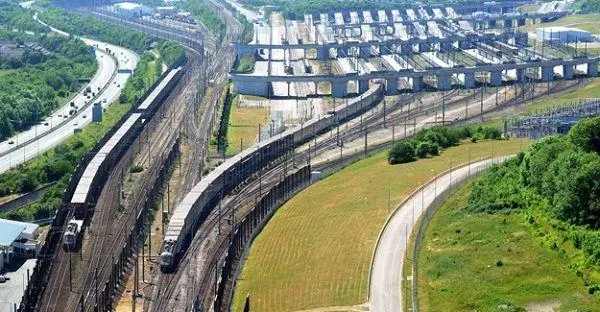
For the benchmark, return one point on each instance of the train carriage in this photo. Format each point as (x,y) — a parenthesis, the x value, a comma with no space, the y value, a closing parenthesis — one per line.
(197,204)
(96,172)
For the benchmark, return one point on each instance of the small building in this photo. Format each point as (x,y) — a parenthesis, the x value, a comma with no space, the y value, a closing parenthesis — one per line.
(562,34)
(166,11)
(132,10)
(18,240)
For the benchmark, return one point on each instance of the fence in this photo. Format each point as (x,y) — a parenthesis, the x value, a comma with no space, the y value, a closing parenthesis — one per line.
(49,252)
(475,167)
(553,120)
(251,226)
(135,239)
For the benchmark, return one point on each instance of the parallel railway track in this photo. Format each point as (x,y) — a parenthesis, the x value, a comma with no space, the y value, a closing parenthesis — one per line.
(248,193)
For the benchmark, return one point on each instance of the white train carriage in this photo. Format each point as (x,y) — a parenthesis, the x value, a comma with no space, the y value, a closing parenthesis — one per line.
(162,89)
(205,195)
(90,178)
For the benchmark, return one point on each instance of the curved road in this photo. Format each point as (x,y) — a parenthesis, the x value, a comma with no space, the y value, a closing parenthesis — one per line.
(41,137)
(386,274)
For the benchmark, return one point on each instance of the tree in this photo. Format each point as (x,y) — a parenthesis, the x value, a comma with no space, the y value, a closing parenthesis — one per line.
(576,196)
(401,152)
(586,134)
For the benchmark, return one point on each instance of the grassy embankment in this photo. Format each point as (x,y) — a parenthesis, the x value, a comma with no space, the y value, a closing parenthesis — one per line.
(478,261)
(243,125)
(316,250)
(589,22)
(529,8)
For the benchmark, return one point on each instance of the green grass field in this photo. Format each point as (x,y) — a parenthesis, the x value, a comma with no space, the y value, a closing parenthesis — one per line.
(243,126)
(529,8)
(316,250)
(589,22)
(459,271)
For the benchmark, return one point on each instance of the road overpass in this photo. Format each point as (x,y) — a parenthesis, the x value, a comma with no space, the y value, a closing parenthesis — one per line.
(260,85)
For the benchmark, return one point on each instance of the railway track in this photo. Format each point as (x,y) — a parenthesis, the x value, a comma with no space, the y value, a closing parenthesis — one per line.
(199,135)
(109,227)
(213,222)
(248,193)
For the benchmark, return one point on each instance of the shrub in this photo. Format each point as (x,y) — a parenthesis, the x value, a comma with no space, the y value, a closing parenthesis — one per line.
(246,64)
(136,168)
(401,152)
(427,148)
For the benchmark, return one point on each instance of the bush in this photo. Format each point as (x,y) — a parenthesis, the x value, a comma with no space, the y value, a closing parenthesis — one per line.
(246,64)
(427,148)
(136,169)
(586,134)
(401,152)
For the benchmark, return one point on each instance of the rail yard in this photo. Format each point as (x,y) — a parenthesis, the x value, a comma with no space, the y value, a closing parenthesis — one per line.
(360,80)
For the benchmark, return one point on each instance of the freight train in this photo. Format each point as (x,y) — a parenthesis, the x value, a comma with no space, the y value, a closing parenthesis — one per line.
(204,196)
(99,167)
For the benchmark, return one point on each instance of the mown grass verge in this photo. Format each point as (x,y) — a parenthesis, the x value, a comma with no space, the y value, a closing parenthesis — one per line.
(316,250)
(243,126)
(491,262)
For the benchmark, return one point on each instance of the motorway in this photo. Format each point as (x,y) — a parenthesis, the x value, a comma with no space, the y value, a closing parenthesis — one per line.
(386,273)
(59,126)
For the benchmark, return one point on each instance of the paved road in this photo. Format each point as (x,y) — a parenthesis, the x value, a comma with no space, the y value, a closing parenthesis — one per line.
(42,137)
(386,276)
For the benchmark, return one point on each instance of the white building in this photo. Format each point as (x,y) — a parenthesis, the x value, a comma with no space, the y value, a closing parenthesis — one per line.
(132,10)
(563,34)
(17,239)
(166,11)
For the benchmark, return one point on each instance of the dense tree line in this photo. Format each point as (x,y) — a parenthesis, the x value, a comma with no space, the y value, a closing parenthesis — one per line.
(13,17)
(247,26)
(201,11)
(170,52)
(84,25)
(59,163)
(587,6)
(34,89)
(429,142)
(558,175)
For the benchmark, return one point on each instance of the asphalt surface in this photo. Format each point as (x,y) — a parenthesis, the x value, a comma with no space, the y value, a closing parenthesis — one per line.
(56,127)
(386,284)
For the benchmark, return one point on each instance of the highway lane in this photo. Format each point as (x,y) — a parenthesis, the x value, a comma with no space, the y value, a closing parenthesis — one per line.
(106,67)
(42,137)
(386,274)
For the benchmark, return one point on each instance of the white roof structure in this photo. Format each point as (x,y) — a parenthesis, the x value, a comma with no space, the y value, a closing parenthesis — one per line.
(13,230)
(128,5)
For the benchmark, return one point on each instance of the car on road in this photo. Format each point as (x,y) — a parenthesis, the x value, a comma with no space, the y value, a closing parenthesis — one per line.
(76,124)
(11,142)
